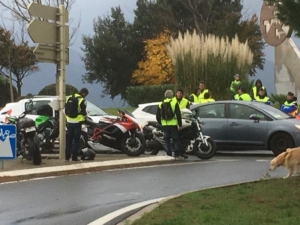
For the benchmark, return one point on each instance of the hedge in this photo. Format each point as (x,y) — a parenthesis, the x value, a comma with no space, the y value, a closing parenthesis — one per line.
(143,94)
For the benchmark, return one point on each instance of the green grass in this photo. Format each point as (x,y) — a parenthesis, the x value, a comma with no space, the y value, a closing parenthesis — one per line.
(114,111)
(267,202)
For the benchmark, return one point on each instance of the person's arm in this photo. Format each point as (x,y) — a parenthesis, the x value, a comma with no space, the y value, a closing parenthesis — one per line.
(83,107)
(178,115)
(158,115)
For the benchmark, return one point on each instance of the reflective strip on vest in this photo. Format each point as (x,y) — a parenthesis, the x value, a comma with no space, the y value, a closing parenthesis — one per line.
(80,117)
(172,122)
(201,95)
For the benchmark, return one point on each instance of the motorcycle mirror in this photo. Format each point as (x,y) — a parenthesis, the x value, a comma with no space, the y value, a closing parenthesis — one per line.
(29,106)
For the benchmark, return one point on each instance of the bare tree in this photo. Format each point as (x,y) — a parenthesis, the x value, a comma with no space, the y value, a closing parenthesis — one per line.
(18,8)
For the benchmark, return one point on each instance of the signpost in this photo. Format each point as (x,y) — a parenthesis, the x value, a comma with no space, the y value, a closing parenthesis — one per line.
(53,39)
(8,143)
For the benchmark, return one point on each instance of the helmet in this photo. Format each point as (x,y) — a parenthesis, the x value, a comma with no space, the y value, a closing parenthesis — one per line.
(186,114)
(88,154)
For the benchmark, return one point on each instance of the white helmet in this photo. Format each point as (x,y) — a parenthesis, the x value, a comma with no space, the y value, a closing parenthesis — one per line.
(186,114)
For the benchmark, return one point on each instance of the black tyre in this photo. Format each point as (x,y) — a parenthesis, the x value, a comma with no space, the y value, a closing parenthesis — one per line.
(133,147)
(205,152)
(35,151)
(280,142)
(151,151)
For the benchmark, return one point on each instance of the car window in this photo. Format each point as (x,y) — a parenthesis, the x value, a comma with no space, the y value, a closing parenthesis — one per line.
(150,109)
(37,105)
(212,111)
(276,113)
(238,111)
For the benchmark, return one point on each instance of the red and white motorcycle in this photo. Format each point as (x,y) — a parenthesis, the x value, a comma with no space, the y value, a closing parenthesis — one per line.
(121,133)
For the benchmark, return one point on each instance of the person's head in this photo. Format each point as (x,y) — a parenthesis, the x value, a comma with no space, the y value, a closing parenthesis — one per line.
(290,96)
(179,93)
(169,94)
(241,90)
(236,77)
(258,83)
(206,95)
(201,85)
(84,92)
(262,92)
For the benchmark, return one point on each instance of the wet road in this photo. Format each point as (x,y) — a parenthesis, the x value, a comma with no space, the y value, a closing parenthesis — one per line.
(81,199)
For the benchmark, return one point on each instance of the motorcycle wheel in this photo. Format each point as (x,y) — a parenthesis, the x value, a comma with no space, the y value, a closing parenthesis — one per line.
(133,149)
(205,152)
(149,151)
(35,151)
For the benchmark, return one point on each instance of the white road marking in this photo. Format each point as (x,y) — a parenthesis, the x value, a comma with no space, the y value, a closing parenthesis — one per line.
(105,219)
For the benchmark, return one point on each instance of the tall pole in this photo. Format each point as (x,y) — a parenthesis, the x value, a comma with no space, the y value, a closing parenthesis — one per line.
(62,94)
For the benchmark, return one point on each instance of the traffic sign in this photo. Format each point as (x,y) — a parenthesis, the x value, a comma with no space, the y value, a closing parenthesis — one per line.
(8,141)
(45,32)
(45,12)
(48,54)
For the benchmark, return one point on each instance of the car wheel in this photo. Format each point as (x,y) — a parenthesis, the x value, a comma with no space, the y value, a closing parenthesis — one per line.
(280,142)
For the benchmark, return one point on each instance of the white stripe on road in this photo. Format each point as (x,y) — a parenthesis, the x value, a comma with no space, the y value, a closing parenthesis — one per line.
(107,218)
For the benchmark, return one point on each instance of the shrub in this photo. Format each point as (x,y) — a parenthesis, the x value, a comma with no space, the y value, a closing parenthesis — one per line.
(51,90)
(144,94)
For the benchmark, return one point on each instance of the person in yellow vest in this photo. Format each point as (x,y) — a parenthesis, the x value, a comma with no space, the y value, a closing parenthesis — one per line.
(202,90)
(75,115)
(262,97)
(171,123)
(194,96)
(183,102)
(207,98)
(243,96)
(235,84)
(255,88)
(290,106)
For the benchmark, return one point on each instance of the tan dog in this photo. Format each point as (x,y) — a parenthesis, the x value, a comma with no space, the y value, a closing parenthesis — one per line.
(289,159)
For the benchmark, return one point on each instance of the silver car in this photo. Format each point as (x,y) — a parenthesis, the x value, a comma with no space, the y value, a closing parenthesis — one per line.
(239,125)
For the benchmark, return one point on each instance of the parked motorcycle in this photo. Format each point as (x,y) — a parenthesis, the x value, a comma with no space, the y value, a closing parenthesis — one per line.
(47,128)
(191,138)
(122,133)
(27,140)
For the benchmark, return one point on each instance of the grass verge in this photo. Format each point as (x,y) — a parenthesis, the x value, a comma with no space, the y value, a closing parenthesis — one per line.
(114,111)
(266,202)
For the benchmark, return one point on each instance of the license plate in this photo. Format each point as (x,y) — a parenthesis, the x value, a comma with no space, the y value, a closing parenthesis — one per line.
(29,129)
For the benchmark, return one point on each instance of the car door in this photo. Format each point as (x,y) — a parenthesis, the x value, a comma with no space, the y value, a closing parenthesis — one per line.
(242,129)
(148,113)
(214,121)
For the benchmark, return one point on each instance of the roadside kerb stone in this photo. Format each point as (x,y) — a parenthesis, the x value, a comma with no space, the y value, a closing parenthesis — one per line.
(76,168)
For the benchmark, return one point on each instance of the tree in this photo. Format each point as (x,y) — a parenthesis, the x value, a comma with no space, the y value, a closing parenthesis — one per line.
(156,67)
(112,54)
(19,10)
(288,13)
(5,91)
(51,90)
(17,59)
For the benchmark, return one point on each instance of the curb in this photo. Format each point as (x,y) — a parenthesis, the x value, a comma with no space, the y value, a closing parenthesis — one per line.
(149,206)
(17,175)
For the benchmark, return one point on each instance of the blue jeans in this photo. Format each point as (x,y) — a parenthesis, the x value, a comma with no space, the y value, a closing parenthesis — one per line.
(172,132)
(73,137)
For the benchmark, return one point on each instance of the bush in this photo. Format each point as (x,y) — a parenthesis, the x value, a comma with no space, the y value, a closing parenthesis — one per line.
(144,94)
(51,90)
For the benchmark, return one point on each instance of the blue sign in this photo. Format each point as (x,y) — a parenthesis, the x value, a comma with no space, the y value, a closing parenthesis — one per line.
(8,141)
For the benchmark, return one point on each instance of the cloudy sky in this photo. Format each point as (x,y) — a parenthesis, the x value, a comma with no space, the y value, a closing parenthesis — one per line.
(87,11)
